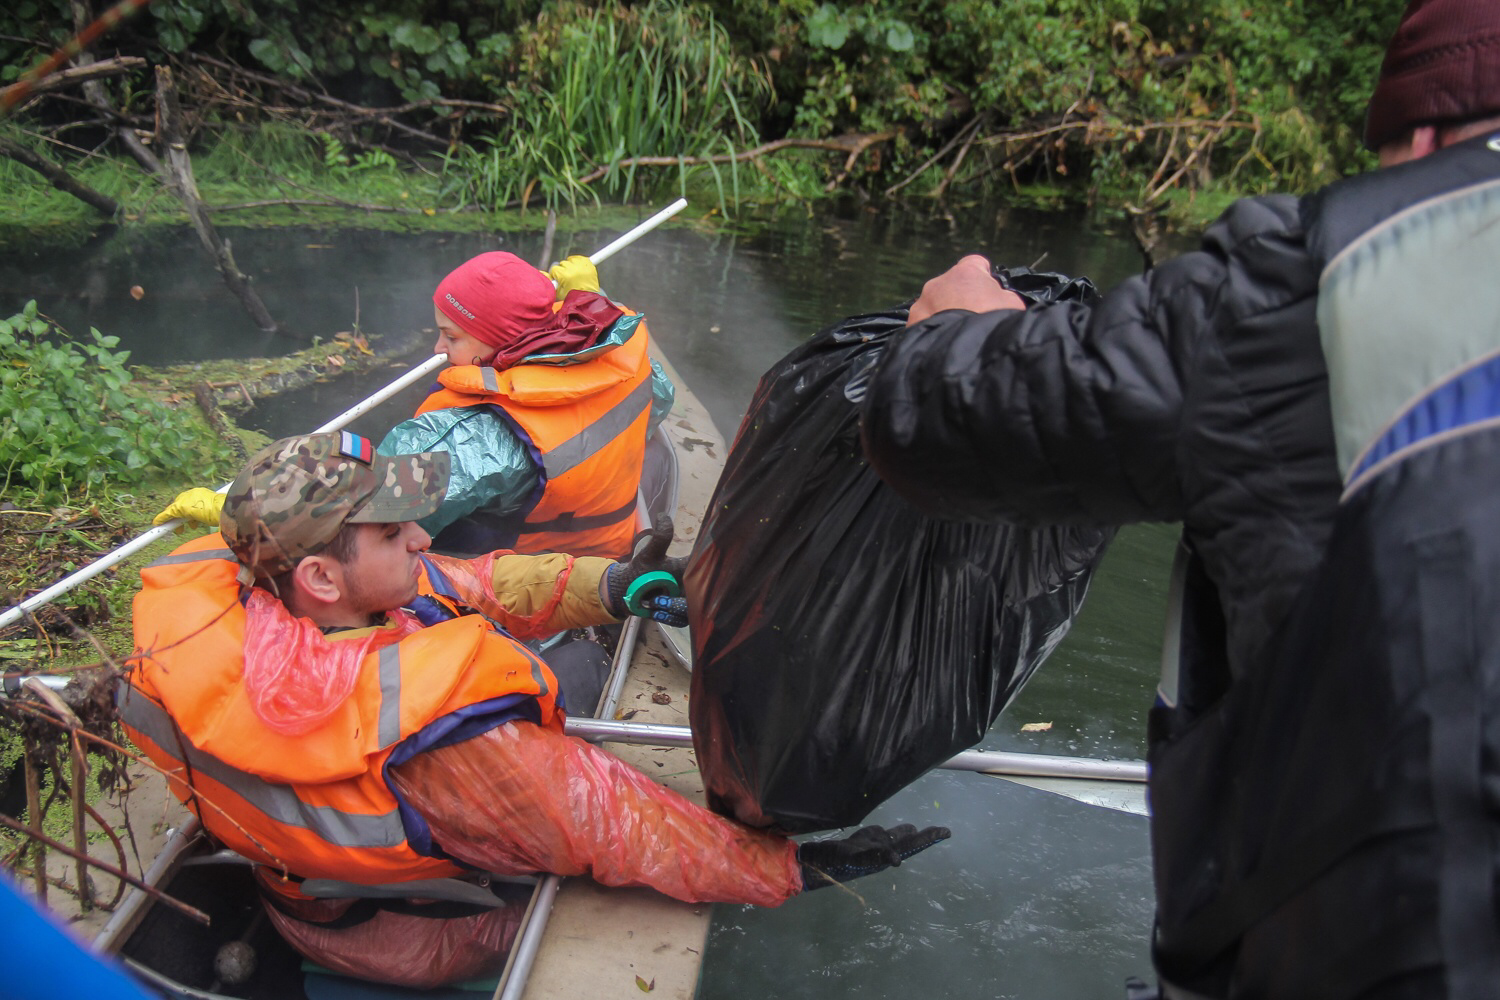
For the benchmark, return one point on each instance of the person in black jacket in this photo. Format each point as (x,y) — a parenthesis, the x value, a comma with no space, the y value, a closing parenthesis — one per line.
(1313,395)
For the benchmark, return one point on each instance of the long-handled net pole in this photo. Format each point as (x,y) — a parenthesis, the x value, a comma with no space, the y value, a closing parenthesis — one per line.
(130,548)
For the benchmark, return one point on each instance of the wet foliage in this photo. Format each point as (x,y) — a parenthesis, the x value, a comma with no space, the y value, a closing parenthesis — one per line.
(417,107)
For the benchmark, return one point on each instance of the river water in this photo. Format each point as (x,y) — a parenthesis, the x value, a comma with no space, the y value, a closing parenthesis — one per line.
(1036,897)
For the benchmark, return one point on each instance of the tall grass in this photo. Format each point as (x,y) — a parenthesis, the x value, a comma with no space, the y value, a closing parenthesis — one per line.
(609,84)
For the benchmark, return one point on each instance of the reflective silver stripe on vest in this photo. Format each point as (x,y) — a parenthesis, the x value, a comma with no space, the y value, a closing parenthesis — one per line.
(537,679)
(593,438)
(277,802)
(1403,306)
(178,558)
(489,379)
(389,660)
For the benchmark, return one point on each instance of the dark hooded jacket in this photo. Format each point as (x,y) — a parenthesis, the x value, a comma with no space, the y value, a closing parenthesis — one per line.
(1318,829)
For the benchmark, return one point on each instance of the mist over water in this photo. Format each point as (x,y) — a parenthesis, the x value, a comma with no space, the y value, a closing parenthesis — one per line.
(1036,897)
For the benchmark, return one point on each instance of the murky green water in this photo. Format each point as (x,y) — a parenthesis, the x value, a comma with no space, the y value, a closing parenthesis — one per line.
(1035,897)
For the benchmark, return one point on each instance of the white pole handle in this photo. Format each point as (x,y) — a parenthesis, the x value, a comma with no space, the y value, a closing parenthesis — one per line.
(600,256)
(427,367)
(139,542)
(359,409)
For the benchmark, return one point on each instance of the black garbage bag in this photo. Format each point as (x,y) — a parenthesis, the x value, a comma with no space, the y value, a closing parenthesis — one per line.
(843,642)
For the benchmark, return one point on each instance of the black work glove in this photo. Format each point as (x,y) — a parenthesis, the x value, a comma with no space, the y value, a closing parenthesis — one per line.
(864,852)
(659,596)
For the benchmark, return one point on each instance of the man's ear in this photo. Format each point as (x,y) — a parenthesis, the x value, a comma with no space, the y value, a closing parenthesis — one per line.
(1419,142)
(319,578)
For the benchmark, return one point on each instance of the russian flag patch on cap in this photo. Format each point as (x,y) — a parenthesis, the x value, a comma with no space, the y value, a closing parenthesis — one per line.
(354,446)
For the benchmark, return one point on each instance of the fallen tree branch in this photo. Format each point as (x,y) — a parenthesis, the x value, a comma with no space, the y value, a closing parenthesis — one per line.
(93,92)
(76,47)
(958,160)
(384,116)
(59,178)
(965,135)
(1203,143)
(853,145)
(100,70)
(179,177)
(311,203)
(1111,130)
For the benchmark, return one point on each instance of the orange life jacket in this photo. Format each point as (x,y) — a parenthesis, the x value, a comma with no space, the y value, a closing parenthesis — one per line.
(585,426)
(318,804)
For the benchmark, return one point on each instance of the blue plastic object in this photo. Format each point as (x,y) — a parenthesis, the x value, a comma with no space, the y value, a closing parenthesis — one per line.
(47,962)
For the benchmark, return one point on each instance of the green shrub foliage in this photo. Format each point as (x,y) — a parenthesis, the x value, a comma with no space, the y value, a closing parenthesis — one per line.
(73,423)
(1124,99)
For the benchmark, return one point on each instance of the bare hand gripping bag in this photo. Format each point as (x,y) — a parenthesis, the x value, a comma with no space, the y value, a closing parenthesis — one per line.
(844,643)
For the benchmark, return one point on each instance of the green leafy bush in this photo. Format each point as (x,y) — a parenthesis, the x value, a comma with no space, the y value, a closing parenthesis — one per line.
(598,85)
(422,50)
(72,421)
(1114,100)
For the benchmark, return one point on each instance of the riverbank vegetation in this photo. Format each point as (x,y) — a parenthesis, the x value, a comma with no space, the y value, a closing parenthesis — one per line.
(418,108)
(93,448)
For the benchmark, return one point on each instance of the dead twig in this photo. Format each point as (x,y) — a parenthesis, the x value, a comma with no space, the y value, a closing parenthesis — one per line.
(384,116)
(124,876)
(79,778)
(958,161)
(1204,142)
(75,48)
(34,811)
(853,145)
(114,839)
(103,69)
(964,135)
(44,713)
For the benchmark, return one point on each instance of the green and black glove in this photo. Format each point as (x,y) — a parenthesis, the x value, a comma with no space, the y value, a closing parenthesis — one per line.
(864,852)
(649,583)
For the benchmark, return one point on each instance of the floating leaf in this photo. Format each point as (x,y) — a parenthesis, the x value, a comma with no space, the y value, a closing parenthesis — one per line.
(644,986)
(1036,727)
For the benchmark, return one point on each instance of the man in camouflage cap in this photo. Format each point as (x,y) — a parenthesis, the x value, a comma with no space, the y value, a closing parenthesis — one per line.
(291,515)
(296,495)
(379,721)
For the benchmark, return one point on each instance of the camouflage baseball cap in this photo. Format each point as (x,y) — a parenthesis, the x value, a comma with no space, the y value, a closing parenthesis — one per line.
(297,493)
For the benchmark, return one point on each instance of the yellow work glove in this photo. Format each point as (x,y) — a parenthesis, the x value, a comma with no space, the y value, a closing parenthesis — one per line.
(197,504)
(576,273)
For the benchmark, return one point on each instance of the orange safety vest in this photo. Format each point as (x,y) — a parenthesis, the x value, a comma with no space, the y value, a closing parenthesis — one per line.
(317,805)
(585,426)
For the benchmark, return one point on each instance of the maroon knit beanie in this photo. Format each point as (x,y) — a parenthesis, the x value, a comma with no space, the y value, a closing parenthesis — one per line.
(495,296)
(1442,66)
